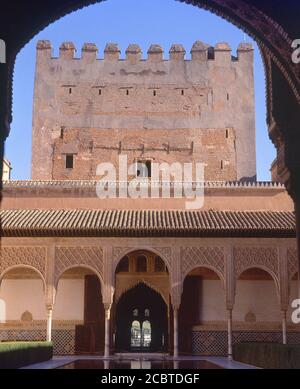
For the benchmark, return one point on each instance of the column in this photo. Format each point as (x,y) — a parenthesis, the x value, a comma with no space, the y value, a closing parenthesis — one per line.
(107,332)
(297,214)
(175,320)
(49,323)
(229,330)
(284,337)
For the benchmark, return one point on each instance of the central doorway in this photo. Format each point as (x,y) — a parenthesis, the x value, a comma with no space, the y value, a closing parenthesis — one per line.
(141,321)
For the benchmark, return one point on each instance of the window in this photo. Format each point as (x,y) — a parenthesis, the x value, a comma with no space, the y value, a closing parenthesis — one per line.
(159,265)
(141,264)
(69,161)
(146,333)
(143,168)
(182,92)
(70,91)
(100,92)
(127,92)
(135,312)
(136,334)
(154,93)
(147,312)
(227,96)
(222,165)
(227,134)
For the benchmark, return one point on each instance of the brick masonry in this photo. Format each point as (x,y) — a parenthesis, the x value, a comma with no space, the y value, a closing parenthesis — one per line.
(173,110)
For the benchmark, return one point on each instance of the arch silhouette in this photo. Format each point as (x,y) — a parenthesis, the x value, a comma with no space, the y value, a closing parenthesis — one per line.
(7,270)
(81,266)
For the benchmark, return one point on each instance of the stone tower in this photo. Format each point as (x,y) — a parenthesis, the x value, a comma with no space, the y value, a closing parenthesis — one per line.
(89,110)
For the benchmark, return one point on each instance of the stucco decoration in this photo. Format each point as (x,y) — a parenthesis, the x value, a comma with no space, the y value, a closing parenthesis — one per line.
(85,256)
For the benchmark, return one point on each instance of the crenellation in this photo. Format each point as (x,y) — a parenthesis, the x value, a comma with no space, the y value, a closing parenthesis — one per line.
(67,50)
(245,53)
(155,53)
(112,52)
(177,52)
(222,55)
(133,53)
(44,49)
(89,52)
(199,51)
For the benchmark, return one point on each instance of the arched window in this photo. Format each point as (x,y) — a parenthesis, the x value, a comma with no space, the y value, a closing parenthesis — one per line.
(146,333)
(135,312)
(141,263)
(147,313)
(136,334)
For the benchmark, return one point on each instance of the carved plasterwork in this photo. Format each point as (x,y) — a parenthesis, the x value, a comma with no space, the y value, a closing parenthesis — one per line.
(265,258)
(292,258)
(13,256)
(159,284)
(210,257)
(85,256)
(163,252)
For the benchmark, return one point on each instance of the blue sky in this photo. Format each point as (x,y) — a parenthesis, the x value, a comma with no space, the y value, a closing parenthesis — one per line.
(129,21)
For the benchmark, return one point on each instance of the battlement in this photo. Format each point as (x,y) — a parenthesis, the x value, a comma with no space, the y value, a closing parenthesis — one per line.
(220,53)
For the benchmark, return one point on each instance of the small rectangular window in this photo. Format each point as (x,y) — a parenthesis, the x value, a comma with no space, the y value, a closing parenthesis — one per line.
(69,161)
(100,92)
(143,168)
(182,92)
(127,92)
(70,91)
(154,93)
(226,134)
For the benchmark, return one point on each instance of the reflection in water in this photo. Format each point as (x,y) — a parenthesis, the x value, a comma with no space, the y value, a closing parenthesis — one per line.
(139,364)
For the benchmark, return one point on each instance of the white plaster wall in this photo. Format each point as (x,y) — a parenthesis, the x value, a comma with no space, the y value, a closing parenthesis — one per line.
(69,303)
(259,297)
(294,294)
(212,301)
(19,296)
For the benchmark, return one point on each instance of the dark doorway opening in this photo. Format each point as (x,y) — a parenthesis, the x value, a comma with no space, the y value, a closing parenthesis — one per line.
(89,337)
(141,321)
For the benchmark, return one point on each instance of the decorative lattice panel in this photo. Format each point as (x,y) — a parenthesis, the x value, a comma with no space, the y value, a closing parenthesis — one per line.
(63,342)
(209,342)
(293,337)
(216,342)
(257,336)
(22,335)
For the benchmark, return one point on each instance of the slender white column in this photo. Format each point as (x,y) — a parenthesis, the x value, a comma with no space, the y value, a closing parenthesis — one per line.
(284,336)
(229,330)
(107,333)
(175,318)
(49,324)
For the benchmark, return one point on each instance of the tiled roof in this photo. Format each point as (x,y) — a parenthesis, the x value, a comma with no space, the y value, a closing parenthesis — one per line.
(146,223)
(92,184)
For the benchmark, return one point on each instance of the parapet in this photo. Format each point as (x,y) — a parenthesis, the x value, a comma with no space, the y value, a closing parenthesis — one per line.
(177,52)
(89,52)
(221,54)
(199,51)
(155,53)
(133,53)
(67,50)
(111,51)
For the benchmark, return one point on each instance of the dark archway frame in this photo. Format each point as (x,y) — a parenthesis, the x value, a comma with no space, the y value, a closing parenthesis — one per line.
(272,24)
